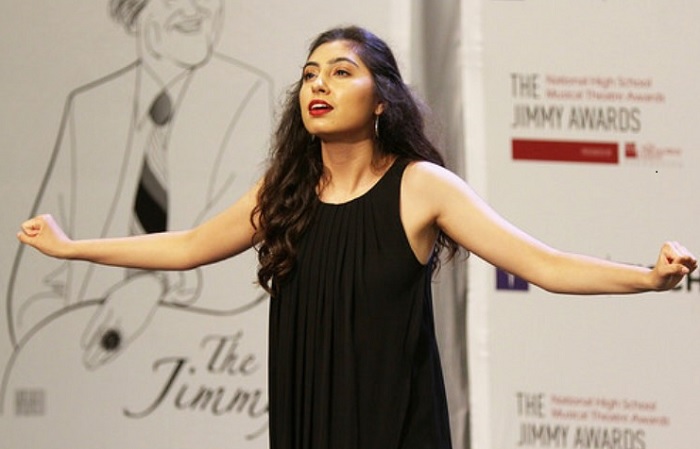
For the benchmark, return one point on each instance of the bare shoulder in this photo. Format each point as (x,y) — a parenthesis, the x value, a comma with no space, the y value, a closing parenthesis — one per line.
(426,189)
(441,192)
(427,178)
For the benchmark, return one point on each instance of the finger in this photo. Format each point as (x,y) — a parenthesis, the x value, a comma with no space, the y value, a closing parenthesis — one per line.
(673,250)
(682,250)
(96,353)
(687,261)
(683,256)
(681,269)
(687,258)
(31,227)
(107,348)
(28,238)
(675,253)
(90,357)
(100,321)
(91,348)
(95,357)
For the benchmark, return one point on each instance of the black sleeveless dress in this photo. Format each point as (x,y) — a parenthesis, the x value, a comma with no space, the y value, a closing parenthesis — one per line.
(353,356)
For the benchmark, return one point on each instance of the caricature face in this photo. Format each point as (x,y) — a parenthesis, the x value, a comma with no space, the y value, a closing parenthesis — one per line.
(183,32)
(337,97)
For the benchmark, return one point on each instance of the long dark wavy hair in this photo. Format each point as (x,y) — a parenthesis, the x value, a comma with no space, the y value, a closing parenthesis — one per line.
(289,194)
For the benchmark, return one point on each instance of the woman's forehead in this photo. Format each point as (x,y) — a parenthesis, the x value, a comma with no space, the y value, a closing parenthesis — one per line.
(335,49)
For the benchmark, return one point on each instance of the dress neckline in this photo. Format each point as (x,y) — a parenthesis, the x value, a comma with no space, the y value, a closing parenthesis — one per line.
(373,187)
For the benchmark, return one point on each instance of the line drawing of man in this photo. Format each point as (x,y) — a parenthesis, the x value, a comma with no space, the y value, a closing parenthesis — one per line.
(218,122)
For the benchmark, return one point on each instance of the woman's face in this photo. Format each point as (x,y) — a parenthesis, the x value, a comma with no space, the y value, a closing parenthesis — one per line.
(337,97)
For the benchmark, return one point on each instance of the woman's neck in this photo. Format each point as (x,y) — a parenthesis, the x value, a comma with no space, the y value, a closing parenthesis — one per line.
(350,170)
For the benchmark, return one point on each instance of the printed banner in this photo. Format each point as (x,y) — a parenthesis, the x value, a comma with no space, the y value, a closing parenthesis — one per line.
(586,114)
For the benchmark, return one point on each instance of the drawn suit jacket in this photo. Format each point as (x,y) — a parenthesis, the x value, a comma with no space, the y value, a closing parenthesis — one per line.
(218,141)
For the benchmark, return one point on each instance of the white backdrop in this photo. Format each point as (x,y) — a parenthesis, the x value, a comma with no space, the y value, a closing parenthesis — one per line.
(607,92)
(194,376)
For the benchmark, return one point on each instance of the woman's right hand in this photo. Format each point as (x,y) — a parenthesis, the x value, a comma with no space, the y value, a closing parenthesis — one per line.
(43,233)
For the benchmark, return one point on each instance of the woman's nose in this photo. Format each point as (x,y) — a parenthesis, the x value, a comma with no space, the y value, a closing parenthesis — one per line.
(319,84)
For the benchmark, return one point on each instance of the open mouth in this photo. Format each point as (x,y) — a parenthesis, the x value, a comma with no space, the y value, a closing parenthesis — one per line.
(318,107)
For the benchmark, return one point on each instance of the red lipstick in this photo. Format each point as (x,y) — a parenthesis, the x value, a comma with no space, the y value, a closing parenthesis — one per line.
(319,107)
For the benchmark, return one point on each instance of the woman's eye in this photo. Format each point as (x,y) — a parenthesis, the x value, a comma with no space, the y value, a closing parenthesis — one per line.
(342,72)
(308,76)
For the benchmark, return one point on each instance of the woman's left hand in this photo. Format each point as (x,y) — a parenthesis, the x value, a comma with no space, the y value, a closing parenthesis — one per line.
(674,262)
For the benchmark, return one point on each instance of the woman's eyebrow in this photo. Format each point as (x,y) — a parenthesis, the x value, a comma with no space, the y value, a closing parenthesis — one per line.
(331,62)
(343,59)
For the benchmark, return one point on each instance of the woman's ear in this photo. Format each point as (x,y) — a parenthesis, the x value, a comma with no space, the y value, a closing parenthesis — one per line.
(379,109)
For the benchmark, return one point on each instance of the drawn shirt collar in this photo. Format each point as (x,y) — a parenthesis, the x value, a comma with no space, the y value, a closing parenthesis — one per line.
(149,87)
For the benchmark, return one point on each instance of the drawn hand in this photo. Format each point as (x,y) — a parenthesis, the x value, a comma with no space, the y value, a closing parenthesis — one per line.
(123,316)
(43,233)
(674,262)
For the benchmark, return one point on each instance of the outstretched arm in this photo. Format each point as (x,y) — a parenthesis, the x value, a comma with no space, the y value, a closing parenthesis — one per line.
(225,235)
(467,219)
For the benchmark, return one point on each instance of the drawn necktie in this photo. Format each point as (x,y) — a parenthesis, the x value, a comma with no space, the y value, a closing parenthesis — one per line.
(151,204)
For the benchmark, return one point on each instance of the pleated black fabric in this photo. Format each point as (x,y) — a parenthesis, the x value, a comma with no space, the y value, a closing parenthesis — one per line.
(353,356)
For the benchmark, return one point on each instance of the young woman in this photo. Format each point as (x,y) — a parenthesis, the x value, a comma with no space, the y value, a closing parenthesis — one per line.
(349,221)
